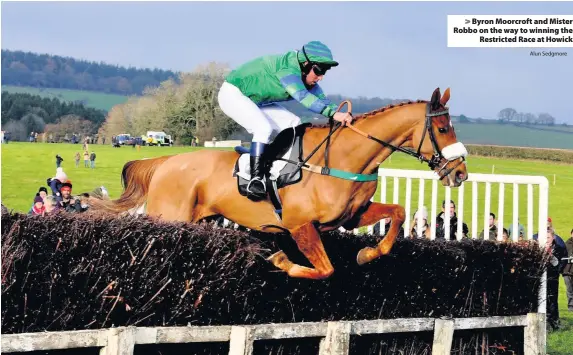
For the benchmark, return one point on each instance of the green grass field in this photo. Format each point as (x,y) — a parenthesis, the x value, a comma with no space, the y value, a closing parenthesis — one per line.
(93,99)
(26,166)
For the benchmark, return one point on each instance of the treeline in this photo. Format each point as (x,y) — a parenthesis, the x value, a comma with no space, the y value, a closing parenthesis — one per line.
(48,71)
(25,113)
(185,108)
(511,115)
(188,107)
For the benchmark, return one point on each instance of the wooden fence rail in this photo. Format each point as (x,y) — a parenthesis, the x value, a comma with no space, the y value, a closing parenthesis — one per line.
(335,335)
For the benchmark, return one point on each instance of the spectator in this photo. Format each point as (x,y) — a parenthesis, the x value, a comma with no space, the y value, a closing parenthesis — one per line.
(86,158)
(568,272)
(505,236)
(68,202)
(555,267)
(100,193)
(520,227)
(492,228)
(74,205)
(558,239)
(521,237)
(77,159)
(84,202)
(93,158)
(38,208)
(386,221)
(440,223)
(42,192)
(425,231)
(59,161)
(56,183)
(51,205)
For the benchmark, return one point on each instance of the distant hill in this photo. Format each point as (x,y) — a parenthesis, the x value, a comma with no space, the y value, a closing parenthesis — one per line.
(21,68)
(94,99)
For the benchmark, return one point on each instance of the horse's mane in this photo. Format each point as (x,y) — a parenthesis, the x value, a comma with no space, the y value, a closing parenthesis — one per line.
(375,112)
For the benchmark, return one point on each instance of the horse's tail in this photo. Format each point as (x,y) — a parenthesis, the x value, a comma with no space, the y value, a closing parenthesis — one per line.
(135,178)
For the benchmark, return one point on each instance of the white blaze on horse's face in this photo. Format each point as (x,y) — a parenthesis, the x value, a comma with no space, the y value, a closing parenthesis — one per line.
(454,151)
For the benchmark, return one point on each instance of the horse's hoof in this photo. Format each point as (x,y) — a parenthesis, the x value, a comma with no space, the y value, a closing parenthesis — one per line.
(278,255)
(280,260)
(366,255)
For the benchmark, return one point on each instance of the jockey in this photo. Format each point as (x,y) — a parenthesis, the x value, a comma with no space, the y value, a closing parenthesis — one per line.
(250,94)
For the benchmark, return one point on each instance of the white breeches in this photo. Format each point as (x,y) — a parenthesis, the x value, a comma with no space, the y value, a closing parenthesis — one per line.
(261,122)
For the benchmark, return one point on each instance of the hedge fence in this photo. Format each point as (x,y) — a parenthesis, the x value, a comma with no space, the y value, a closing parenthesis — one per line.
(72,272)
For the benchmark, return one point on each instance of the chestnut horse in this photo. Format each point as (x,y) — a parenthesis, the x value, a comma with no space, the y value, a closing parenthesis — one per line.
(193,186)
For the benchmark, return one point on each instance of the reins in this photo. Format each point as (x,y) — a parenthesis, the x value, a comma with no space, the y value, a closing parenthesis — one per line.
(325,170)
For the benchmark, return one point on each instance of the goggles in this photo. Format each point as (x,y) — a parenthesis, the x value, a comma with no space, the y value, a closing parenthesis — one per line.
(316,68)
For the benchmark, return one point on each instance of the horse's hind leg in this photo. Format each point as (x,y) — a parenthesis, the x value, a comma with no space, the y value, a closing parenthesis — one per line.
(374,213)
(308,240)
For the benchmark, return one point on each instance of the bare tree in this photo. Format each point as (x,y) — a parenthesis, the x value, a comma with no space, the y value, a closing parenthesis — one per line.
(185,109)
(530,118)
(545,118)
(507,114)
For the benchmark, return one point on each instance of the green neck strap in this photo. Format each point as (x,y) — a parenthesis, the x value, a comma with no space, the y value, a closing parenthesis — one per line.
(346,175)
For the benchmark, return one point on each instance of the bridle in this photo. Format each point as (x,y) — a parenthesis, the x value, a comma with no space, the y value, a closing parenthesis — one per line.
(433,162)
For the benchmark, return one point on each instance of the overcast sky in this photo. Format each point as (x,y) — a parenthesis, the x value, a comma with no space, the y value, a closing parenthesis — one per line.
(396,50)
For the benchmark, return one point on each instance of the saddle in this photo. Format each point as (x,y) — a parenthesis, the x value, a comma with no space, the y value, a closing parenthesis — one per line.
(287,145)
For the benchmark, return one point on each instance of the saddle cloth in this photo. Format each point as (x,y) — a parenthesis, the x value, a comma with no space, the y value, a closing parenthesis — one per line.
(287,145)
(244,165)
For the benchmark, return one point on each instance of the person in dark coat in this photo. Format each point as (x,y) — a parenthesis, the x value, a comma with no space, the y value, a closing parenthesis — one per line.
(69,203)
(557,252)
(59,160)
(441,223)
(56,184)
(568,272)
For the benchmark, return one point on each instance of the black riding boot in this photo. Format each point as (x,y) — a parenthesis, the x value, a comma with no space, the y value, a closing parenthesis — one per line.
(256,190)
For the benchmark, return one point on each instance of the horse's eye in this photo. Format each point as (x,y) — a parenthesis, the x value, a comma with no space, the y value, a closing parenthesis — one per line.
(443,129)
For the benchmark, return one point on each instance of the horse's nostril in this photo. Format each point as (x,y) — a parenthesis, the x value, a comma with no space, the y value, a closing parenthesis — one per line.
(460,176)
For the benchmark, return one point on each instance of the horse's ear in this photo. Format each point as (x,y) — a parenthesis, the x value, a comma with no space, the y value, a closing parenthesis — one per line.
(435,101)
(446,97)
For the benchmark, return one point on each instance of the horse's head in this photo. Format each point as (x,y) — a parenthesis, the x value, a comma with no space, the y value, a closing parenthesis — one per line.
(436,141)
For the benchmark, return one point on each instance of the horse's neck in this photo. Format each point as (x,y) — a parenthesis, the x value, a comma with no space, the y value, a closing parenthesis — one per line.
(352,152)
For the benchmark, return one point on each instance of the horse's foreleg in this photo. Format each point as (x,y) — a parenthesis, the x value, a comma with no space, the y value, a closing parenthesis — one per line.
(374,213)
(308,240)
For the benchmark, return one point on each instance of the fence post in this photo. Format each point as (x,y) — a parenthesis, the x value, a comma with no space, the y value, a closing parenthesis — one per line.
(443,336)
(241,342)
(534,334)
(120,341)
(337,340)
